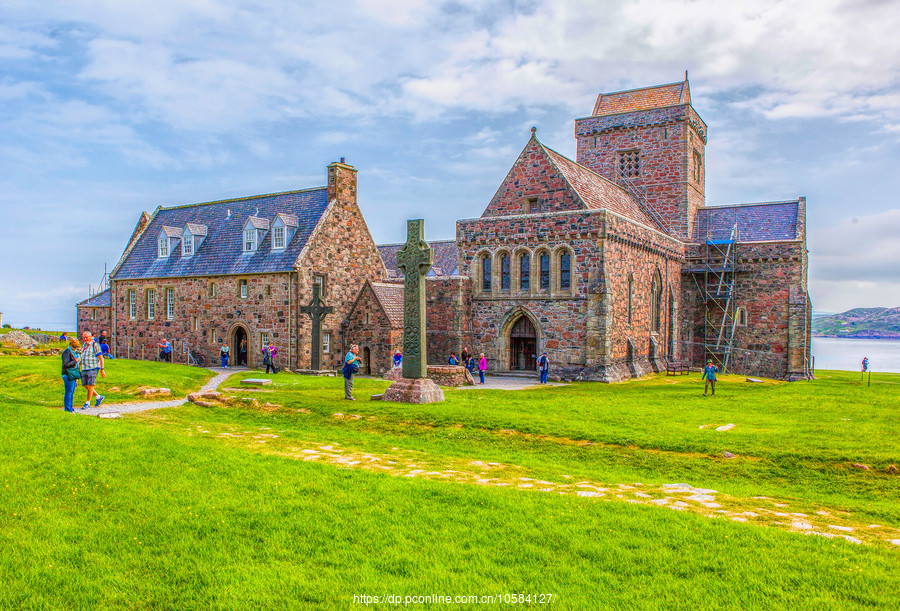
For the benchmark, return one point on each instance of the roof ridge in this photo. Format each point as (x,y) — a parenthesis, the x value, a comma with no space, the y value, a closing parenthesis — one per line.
(243,198)
(643,88)
(720,206)
(429,241)
(600,176)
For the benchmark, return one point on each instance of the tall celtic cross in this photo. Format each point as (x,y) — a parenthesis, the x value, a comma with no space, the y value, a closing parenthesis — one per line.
(317,310)
(415,259)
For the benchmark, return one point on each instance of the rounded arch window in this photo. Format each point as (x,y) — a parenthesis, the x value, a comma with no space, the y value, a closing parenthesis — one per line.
(656,303)
(565,270)
(524,272)
(544,270)
(742,317)
(485,268)
(505,272)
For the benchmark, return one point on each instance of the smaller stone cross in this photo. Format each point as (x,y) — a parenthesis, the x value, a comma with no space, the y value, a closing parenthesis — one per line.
(415,259)
(317,310)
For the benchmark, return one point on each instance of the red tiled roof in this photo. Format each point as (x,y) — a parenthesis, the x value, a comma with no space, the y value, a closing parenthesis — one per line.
(390,295)
(644,98)
(597,192)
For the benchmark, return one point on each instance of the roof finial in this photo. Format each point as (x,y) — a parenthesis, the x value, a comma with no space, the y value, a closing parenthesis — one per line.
(685,76)
(533,131)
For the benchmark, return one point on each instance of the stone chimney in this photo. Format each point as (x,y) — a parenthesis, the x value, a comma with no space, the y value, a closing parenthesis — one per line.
(341,181)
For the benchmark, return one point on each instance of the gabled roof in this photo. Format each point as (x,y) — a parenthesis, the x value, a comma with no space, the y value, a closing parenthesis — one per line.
(595,191)
(172,232)
(196,228)
(288,220)
(390,296)
(446,258)
(643,98)
(763,222)
(100,300)
(258,222)
(221,252)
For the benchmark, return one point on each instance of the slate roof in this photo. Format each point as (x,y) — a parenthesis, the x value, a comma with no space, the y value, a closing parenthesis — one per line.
(100,300)
(221,252)
(259,222)
(644,98)
(446,258)
(391,297)
(755,222)
(172,232)
(197,229)
(597,192)
(289,220)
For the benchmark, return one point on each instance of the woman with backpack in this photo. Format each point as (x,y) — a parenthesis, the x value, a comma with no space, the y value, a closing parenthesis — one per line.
(351,366)
(269,353)
(71,358)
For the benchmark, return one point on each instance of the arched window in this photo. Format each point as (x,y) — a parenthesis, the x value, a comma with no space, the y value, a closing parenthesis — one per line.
(742,317)
(545,271)
(524,272)
(504,272)
(630,296)
(565,271)
(485,274)
(656,303)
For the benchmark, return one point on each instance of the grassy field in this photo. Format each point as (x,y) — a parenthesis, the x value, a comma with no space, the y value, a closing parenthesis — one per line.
(291,497)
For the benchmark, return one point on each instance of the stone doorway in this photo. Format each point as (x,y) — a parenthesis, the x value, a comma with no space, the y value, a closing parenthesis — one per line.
(238,335)
(366,368)
(522,346)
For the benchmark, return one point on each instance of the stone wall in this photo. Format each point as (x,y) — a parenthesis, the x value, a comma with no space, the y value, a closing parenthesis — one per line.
(203,321)
(343,252)
(667,139)
(448,307)
(770,283)
(93,319)
(370,327)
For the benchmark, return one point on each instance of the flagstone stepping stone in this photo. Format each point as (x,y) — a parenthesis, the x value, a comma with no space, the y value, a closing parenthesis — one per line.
(725,427)
(755,381)
(588,493)
(895,541)
(802,525)
(256,381)
(110,415)
(846,529)
(852,540)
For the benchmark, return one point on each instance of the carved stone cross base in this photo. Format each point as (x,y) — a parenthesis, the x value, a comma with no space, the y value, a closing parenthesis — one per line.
(414,390)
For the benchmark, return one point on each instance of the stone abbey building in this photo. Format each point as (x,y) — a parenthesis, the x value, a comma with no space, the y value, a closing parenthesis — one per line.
(611,262)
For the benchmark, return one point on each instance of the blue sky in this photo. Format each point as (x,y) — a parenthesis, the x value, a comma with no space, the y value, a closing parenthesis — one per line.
(111,108)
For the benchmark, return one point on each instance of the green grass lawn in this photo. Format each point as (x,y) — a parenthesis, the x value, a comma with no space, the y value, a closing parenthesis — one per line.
(211,507)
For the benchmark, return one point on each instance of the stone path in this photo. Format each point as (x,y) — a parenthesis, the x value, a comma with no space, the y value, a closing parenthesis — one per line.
(508,383)
(128,408)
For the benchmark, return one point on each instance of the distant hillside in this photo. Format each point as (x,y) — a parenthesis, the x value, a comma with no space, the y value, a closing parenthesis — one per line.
(860,323)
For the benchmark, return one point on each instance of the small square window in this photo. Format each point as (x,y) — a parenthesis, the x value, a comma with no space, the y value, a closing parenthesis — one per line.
(326,343)
(320,280)
(630,163)
(244,290)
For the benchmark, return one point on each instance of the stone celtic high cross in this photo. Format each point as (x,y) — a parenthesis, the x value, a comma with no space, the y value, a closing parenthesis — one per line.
(415,259)
(317,310)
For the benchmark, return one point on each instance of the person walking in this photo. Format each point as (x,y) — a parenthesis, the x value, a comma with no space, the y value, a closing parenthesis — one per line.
(709,374)
(223,352)
(482,367)
(242,358)
(71,357)
(453,360)
(91,365)
(544,367)
(351,366)
(269,353)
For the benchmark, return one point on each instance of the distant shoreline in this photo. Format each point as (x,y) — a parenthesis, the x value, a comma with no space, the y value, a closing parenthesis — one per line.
(863,335)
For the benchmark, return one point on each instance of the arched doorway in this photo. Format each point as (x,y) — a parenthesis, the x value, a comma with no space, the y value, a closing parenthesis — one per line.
(239,336)
(522,345)
(366,368)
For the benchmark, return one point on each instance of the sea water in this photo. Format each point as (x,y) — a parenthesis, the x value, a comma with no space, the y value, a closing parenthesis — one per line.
(847,354)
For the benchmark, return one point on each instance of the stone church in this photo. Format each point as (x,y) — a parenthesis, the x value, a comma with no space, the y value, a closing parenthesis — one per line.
(612,263)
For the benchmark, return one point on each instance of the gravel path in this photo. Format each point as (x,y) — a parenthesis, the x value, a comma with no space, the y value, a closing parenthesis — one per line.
(128,408)
(509,383)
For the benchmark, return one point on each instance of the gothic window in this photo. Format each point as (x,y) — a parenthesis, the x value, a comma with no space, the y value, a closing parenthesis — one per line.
(630,297)
(524,273)
(565,271)
(504,273)
(656,303)
(630,163)
(486,274)
(545,271)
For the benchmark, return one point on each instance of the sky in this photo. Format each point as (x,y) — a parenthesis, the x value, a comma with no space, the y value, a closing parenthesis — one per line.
(111,108)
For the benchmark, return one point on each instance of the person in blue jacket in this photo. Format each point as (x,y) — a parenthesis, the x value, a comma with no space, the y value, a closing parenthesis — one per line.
(544,367)
(709,374)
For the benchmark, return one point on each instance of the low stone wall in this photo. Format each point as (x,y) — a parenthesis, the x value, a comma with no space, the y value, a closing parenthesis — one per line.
(450,375)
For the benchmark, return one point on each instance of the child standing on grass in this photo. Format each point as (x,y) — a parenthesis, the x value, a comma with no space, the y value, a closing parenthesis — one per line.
(482,367)
(70,372)
(223,352)
(709,374)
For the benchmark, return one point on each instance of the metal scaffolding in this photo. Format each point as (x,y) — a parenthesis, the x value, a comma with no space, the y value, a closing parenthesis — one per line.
(713,271)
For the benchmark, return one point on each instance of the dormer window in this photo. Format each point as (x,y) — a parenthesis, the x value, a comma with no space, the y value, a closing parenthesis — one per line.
(166,241)
(283,228)
(191,238)
(255,230)
(278,237)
